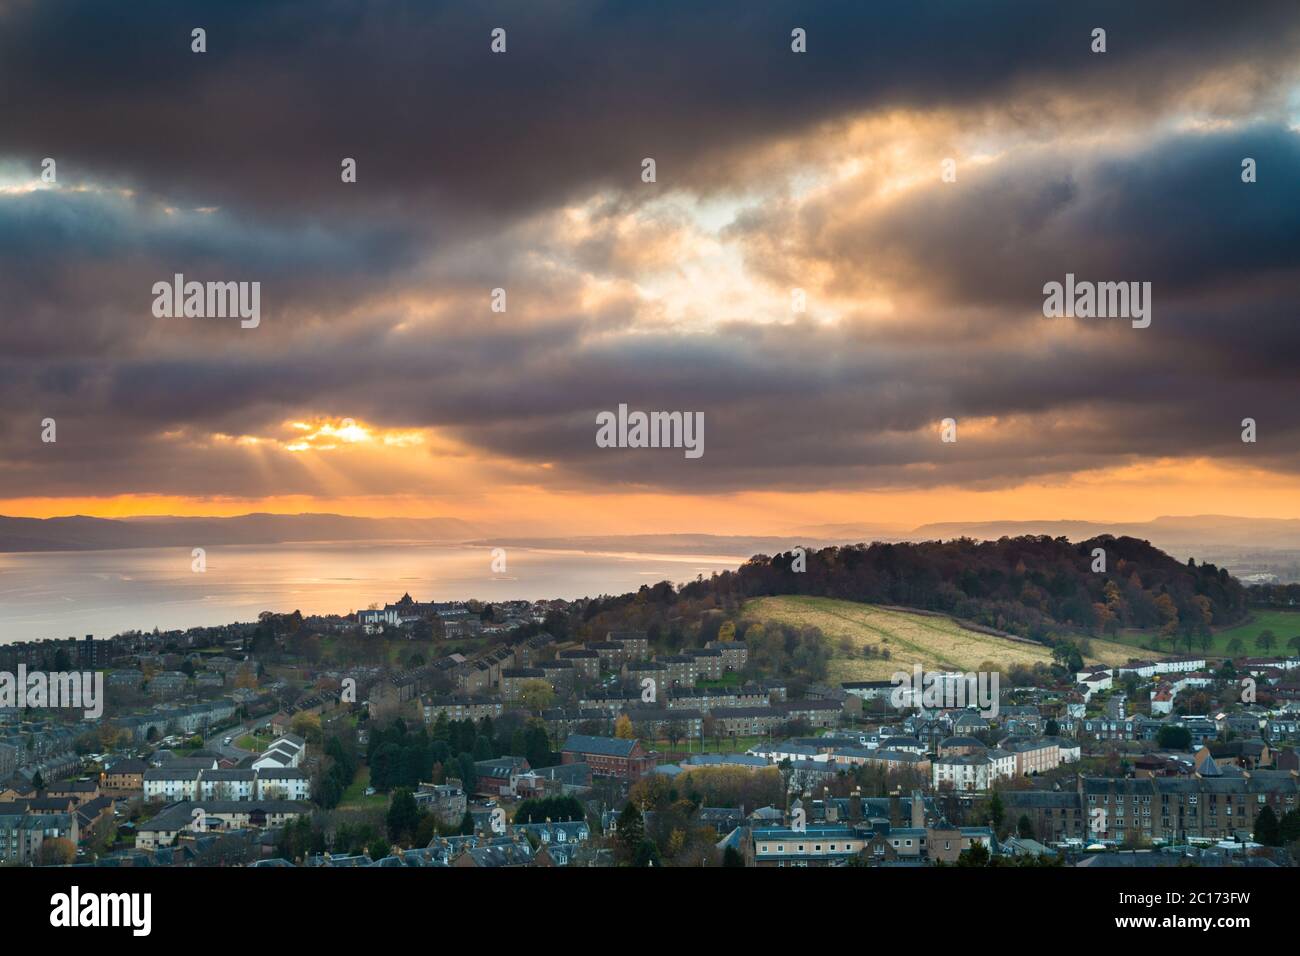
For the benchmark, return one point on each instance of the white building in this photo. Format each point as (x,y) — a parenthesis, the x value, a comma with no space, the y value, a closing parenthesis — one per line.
(283,785)
(963,772)
(227,784)
(1170,665)
(171,786)
(284,752)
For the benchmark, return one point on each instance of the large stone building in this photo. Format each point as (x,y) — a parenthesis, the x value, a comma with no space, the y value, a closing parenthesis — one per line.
(1173,809)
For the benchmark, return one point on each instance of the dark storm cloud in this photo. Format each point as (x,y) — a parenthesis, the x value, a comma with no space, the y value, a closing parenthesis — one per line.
(1173,212)
(778,415)
(586,90)
(786,406)
(459,149)
(77,268)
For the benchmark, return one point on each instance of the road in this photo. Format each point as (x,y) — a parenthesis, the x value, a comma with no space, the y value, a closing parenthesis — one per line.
(216,745)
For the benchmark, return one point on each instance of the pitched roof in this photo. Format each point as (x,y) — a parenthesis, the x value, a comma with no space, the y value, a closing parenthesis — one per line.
(603,746)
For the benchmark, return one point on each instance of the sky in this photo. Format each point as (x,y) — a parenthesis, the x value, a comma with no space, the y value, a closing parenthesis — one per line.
(379,380)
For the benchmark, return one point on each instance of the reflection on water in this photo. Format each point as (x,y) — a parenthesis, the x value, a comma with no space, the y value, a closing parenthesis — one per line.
(103,592)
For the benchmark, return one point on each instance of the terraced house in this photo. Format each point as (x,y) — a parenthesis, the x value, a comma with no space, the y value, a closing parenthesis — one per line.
(180,819)
(610,654)
(512,680)
(682,670)
(561,675)
(23,834)
(735,654)
(586,663)
(1033,755)
(1173,809)
(265,783)
(706,698)
(464,708)
(1054,815)
(635,644)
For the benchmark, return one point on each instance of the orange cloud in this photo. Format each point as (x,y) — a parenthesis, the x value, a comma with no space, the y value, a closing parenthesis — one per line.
(1130,493)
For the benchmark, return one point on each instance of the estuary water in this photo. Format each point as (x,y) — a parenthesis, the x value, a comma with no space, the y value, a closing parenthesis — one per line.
(75,593)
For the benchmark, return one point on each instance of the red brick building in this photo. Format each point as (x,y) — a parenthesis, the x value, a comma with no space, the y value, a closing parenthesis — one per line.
(609,756)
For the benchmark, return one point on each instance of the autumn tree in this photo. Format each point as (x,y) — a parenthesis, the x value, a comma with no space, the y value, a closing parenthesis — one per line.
(1168,614)
(56,851)
(307,726)
(536,695)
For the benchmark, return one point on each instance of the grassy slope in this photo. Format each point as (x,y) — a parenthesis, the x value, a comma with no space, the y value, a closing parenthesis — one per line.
(1284,625)
(354,797)
(933,642)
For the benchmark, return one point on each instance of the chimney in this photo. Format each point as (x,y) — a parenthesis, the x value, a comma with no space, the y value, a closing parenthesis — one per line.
(855,805)
(918,810)
(832,808)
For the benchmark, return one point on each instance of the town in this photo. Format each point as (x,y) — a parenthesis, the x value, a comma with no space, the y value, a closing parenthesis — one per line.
(467,734)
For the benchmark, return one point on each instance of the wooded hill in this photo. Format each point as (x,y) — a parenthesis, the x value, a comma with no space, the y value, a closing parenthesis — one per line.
(1038,587)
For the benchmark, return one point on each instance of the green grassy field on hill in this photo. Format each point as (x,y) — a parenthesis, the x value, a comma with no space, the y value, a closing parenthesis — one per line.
(934,642)
(1284,625)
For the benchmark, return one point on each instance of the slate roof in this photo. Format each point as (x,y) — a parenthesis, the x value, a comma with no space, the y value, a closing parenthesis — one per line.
(603,746)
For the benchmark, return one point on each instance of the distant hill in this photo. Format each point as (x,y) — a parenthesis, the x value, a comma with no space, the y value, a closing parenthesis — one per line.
(1210,537)
(81,533)
(737,546)
(1180,533)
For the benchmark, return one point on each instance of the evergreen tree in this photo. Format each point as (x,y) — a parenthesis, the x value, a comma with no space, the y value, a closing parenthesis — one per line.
(1267,830)
(537,745)
(630,830)
(647,854)
(1289,829)
(403,817)
(977,855)
(996,810)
